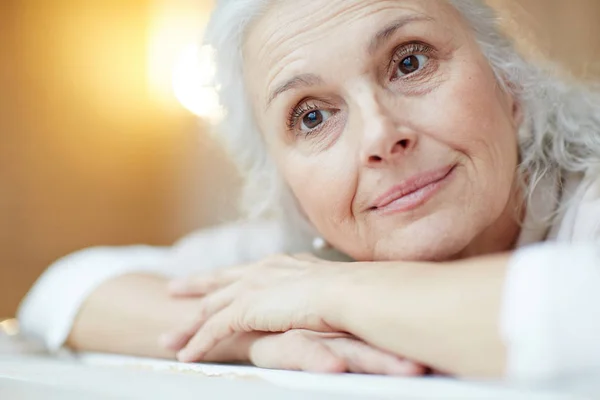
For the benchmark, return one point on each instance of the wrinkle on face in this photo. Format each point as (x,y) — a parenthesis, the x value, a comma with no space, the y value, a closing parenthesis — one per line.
(275,43)
(457,115)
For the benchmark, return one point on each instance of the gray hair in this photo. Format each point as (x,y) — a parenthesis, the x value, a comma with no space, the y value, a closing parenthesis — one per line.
(560,133)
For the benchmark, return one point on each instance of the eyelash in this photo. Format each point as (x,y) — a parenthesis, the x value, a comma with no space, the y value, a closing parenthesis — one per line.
(399,54)
(298,112)
(410,49)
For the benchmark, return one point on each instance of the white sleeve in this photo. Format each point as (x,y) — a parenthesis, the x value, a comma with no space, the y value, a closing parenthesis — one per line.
(49,309)
(551,311)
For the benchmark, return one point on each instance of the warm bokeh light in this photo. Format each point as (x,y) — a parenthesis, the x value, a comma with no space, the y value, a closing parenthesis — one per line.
(193,83)
(179,70)
(9,327)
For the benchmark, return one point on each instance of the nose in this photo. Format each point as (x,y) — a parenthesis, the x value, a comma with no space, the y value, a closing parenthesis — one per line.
(386,137)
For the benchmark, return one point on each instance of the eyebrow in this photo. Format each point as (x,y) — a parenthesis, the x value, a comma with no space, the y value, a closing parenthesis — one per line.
(380,38)
(386,33)
(304,80)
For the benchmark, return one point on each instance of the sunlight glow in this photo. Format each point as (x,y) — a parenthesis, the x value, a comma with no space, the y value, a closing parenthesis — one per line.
(10,327)
(193,83)
(180,72)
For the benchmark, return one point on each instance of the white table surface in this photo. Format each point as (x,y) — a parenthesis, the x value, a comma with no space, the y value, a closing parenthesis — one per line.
(95,376)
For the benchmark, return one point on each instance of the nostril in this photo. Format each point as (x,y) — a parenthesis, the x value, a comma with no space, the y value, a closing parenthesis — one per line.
(375,159)
(403,143)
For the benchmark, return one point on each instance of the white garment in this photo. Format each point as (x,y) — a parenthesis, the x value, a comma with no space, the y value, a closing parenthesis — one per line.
(550,319)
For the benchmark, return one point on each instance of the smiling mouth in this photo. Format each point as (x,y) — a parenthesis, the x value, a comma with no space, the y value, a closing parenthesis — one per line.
(412,193)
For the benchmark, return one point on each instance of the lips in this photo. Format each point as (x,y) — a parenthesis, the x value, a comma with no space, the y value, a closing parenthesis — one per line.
(425,183)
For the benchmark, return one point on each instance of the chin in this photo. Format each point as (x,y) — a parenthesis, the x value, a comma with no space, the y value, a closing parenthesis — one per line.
(423,252)
(435,239)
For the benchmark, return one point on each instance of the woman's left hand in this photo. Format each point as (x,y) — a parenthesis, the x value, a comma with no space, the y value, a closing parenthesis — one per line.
(277,294)
(426,312)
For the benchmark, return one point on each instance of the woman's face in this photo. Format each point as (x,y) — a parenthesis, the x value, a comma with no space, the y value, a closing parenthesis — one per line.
(387,123)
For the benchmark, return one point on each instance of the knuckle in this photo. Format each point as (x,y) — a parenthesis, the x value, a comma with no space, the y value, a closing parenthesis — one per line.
(204,307)
(240,322)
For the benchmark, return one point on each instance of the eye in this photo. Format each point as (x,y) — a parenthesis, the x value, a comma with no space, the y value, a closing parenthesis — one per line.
(411,64)
(312,119)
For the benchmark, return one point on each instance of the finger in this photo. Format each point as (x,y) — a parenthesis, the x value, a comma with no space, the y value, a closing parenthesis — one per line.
(293,350)
(362,358)
(218,328)
(272,312)
(204,284)
(235,349)
(208,306)
(178,339)
(175,341)
(204,340)
(217,301)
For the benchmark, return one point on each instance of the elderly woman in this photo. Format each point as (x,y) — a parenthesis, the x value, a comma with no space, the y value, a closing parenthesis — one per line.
(407,135)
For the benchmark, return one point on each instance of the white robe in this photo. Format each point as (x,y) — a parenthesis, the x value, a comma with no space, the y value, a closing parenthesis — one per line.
(550,319)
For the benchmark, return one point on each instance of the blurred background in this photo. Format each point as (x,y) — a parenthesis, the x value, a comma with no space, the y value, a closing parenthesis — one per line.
(104,122)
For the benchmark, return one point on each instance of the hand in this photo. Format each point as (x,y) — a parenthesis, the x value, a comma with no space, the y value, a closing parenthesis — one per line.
(273,267)
(303,350)
(429,312)
(277,294)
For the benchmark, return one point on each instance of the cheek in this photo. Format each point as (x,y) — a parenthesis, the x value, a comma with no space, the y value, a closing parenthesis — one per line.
(324,184)
(475,118)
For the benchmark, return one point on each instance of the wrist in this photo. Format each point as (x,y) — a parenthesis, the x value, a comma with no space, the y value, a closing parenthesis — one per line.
(352,294)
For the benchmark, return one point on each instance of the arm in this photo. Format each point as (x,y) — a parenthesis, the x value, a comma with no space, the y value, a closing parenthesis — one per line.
(115,300)
(106,300)
(530,314)
(126,315)
(551,311)
(443,315)
(129,314)
(50,308)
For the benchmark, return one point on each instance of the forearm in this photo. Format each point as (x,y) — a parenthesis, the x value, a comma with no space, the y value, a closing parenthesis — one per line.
(127,315)
(445,315)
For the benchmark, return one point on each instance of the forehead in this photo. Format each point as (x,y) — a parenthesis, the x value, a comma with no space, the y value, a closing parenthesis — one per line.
(292,34)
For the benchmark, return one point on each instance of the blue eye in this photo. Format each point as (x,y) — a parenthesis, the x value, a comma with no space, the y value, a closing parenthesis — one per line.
(313,119)
(412,64)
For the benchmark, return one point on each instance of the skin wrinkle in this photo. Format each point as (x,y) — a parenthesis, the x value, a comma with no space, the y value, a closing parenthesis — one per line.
(348,220)
(445,112)
(321,25)
(305,80)
(378,41)
(433,84)
(384,36)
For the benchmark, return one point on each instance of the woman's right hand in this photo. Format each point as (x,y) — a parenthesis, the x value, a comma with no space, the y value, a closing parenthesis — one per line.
(303,350)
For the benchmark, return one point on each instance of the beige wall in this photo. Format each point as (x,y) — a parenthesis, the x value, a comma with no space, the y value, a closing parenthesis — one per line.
(564,30)
(87,157)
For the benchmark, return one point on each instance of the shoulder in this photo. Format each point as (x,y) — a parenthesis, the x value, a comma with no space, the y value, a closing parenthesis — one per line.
(580,204)
(229,244)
